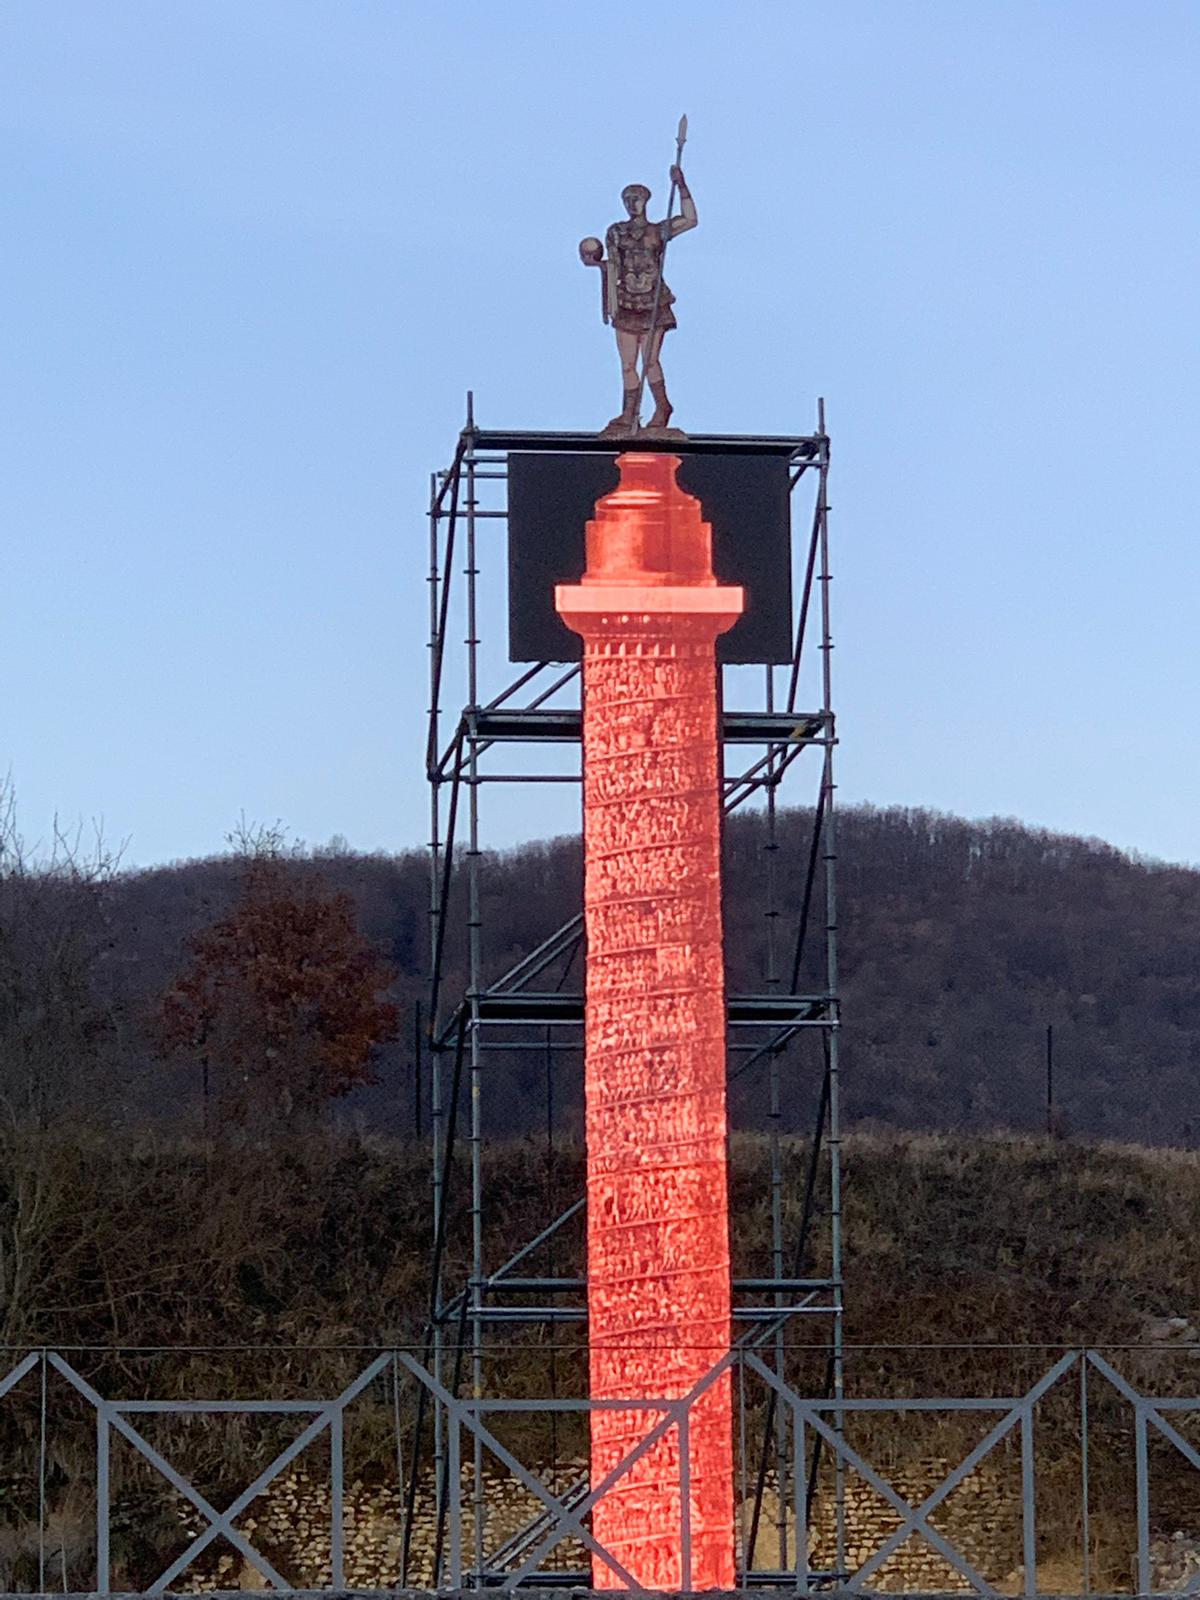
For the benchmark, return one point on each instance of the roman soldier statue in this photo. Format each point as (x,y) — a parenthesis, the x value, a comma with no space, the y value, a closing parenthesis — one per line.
(636,299)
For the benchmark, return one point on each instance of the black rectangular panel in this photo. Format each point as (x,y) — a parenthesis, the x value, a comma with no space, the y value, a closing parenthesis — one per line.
(744,497)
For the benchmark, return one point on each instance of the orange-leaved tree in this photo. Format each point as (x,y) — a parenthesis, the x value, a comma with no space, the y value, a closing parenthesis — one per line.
(282,1003)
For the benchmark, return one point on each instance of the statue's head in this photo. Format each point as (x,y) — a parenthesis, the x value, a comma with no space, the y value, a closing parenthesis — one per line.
(635,197)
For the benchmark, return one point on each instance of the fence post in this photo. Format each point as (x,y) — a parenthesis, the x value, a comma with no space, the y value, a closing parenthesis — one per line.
(685,1495)
(455,1443)
(800,1496)
(1084,1485)
(1028,1502)
(102,1443)
(337,1479)
(1143,1497)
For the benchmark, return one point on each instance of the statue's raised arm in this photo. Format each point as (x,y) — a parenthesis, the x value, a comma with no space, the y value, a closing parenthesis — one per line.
(687,206)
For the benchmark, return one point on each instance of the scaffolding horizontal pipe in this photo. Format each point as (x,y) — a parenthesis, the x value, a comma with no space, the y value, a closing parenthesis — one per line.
(508,1285)
(563,725)
(297,1408)
(730,786)
(482,778)
(811,1304)
(493,1314)
(498,1577)
(557,1009)
(801,447)
(563,1041)
(491,1046)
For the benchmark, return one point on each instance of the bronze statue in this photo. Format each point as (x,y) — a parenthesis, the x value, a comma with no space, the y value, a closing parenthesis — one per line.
(636,299)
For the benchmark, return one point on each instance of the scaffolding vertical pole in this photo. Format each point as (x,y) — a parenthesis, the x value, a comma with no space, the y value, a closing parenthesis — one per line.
(829,856)
(437,645)
(475,981)
(775,1114)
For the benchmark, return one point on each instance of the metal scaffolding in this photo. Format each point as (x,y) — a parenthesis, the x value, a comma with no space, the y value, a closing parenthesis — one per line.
(509,727)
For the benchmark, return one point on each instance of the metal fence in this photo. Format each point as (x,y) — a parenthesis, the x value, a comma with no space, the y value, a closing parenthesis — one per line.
(1083,1456)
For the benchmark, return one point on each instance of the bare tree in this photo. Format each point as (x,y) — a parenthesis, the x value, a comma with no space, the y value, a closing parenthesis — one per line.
(58,1041)
(58,1033)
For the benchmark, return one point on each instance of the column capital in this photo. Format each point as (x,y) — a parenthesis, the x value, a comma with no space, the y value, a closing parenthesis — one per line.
(649,557)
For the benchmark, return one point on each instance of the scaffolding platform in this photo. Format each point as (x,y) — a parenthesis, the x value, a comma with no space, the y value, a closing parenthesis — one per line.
(802,449)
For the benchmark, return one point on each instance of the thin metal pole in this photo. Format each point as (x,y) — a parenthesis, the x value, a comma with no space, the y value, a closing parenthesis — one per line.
(1142,1475)
(810,878)
(436,1119)
(437,627)
(685,1497)
(475,982)
(470,572)
(456,1516)
(42,1485)
(441,604)
(1085,1481)
(433,1336)
(444,1497)
(1028,1504)
(1049,1080)
(442,890)
(803,1503)
(397,1429)
(781,1300)
(442,1134)
(102,1499)
(805,602)
(337,1500)
(770,849)
(829,854)
(774,1115)
(417,1075)
(551,1203)
(442,1146)
(742,1475)
(435,641)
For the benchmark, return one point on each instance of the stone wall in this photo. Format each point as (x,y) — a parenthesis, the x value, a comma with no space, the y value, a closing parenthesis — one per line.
(981,1519)
(290,1523)
(1174,1562)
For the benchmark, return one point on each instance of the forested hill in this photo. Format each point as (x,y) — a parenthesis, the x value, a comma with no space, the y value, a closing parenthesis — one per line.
(960,942)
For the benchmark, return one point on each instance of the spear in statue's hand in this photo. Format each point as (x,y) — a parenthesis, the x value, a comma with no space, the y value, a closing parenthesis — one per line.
(680,141)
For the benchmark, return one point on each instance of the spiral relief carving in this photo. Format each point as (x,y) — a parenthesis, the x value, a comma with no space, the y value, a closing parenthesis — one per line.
(658,1230)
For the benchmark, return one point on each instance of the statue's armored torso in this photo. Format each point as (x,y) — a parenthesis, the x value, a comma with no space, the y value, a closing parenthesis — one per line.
(635,252)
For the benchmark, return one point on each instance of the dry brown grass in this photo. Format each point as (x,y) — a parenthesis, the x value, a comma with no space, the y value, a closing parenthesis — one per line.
(970,1263)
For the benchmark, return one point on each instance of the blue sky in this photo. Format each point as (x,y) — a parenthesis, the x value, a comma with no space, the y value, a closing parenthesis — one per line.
(254,254)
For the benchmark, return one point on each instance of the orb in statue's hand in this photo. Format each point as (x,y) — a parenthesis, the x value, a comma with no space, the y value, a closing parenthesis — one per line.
(591,252)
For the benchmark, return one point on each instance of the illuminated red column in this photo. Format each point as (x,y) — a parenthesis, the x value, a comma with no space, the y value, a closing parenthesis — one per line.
(649,610)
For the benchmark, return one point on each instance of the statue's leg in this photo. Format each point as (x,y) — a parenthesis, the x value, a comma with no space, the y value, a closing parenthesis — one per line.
(626,421)
(658,387)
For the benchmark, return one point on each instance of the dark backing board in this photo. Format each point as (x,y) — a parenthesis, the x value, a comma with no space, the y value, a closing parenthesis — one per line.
(745,497)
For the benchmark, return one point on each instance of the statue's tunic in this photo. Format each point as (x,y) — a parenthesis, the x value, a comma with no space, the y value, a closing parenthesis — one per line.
(635,252)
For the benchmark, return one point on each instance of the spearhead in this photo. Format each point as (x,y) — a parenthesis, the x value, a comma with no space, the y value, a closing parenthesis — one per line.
(681,137)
